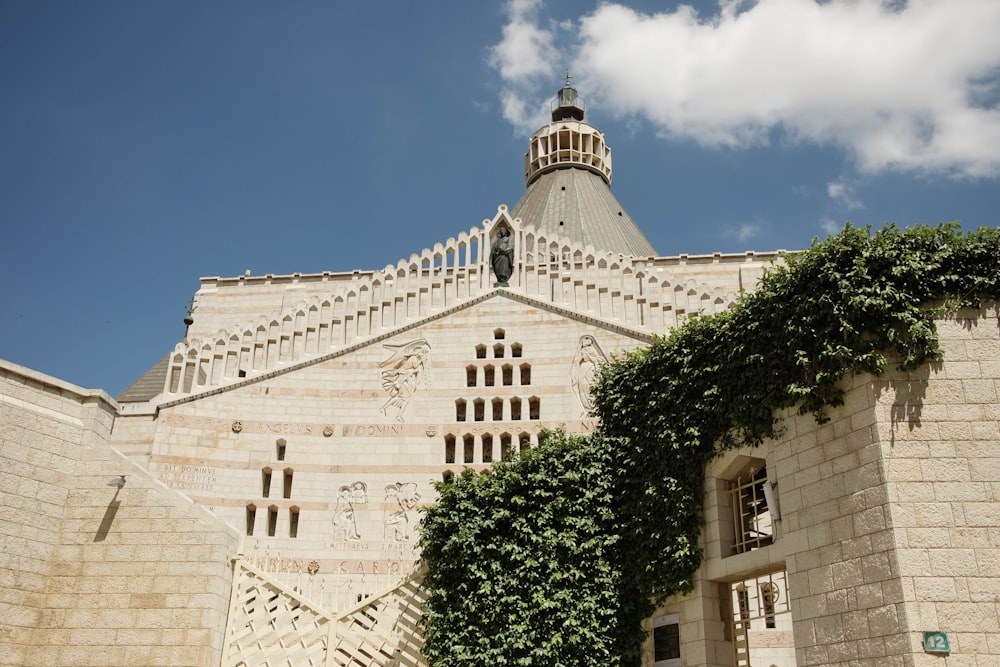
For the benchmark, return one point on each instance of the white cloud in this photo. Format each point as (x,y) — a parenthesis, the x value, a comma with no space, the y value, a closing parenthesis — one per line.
(744,232)
(902,86)
(843,194)
(830,227)
(526,58)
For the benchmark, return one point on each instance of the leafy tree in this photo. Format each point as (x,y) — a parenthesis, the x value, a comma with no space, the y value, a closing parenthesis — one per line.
(555,558)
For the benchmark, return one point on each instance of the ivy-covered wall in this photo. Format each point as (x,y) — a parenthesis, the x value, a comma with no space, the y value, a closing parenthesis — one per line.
(556,558)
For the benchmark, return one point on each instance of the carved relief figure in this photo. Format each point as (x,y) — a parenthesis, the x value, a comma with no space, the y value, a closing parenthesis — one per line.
(404,370)
(588,359)
(502,257)
(359,493)
(345,523)
(401,498)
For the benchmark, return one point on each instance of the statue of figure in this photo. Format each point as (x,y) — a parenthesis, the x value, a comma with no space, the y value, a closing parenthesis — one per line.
(502,257)
(589,358)
(404,370)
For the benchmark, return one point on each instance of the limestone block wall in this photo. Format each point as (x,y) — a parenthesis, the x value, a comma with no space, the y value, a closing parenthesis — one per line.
(891,512)
(889,519)
(939,434)
(93,574)
(337,425)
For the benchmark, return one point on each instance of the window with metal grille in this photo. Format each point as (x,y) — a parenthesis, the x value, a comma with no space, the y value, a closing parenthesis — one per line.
(667,641)
(751,516)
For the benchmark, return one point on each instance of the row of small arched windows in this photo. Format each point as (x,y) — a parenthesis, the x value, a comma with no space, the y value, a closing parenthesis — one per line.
(497,412)
(509,445)
(265,482)
(490,375)
(272,520)
(498,350)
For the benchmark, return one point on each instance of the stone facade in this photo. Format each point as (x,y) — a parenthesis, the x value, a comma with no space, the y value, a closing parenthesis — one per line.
(275,460)
(96,571)
(889,524)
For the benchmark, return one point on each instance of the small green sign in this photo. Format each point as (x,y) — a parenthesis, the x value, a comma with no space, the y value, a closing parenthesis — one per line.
(936,642)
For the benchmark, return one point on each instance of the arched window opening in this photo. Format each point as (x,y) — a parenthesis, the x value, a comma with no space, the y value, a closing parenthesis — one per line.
(525,441)
(460,410)
(447,476)
(287,486)
(479,409)
(470,376)
(487,448)
(506,451)
(489,375)
(515,409)
(525,375)
(498,351)
(265,482)
(498,334)
(449,449)
(515,350)
(272,520)
(470,449)
(293,521)
(251,518)
(480,352)
(533,408)
(508,375)
(280,446)
(497,409)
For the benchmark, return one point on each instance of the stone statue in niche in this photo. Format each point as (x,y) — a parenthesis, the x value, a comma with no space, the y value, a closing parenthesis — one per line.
(345,522)
(403,373)
(400,498)
(502,257)
(588,359)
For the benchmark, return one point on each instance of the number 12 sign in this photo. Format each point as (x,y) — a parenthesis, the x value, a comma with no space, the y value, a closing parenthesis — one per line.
(936,642)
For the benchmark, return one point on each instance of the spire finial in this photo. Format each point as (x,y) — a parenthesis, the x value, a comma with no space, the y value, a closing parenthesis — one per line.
(568,79)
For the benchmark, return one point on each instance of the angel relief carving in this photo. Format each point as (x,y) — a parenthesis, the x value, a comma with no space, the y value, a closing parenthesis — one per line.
(402,374)
(588,359)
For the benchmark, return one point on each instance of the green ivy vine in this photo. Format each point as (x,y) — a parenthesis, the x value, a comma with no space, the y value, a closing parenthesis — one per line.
(556,557)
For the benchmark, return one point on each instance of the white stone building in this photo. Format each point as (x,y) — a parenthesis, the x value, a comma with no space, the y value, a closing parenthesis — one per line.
(273,461)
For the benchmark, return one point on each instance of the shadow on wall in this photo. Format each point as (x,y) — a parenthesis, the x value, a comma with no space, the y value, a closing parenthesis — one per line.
(111,511)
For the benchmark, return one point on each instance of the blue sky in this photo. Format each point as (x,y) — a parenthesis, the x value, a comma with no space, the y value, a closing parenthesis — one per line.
(146,144)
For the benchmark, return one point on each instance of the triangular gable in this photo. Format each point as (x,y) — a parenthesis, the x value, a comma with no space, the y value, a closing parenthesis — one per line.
(620,290)
(202,391)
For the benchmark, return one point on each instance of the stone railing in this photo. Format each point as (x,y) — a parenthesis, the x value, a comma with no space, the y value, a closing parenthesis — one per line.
(272,624)
(617,289)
